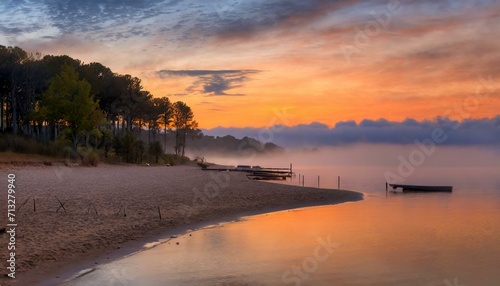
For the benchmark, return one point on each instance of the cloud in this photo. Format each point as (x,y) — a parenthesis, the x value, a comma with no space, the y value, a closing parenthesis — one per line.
(90,19)
(430,53)
(469,132)
(212,82)
(69,15)
(222,18)
(165,73)
(191,19)
(249,18)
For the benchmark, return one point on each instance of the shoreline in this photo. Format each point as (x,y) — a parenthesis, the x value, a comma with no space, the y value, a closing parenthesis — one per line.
(131,248)
(81,239)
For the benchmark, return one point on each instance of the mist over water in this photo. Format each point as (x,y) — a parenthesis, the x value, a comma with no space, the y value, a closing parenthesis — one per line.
(374,155)
(367,167)
(363,164)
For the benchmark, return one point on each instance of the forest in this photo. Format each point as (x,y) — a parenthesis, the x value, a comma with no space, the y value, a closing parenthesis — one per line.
(59,106)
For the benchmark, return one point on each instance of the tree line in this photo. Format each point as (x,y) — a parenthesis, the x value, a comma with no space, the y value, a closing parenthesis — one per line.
(50,98)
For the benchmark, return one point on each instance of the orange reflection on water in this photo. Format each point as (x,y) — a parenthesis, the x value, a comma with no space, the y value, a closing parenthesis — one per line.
(405,239)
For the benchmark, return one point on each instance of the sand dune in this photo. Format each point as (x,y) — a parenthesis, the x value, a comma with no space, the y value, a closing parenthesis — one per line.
(110,205)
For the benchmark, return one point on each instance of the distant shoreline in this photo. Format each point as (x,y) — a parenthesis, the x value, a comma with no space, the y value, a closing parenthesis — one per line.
(110,209)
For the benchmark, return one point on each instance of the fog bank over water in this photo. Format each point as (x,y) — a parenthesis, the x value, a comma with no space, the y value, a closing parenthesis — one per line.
(370,155)
(445,131)
(367,167)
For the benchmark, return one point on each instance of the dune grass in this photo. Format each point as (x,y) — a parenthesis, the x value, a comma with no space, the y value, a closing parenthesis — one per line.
(10,157)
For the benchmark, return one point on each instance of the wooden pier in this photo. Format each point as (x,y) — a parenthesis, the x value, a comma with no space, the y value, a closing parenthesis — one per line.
(257,172)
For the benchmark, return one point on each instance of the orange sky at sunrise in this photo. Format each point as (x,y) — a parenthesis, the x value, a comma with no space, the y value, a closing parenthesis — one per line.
(239,64)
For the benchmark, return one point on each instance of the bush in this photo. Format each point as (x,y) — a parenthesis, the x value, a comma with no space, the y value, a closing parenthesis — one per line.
(31,146)
(94,159)
(129,148)
(169,159)
(184,160)
(26,146)
(91,159)
(155,150)
(59,148)
(4,145)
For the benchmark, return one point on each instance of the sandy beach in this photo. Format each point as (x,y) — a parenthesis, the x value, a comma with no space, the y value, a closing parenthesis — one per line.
(107,206)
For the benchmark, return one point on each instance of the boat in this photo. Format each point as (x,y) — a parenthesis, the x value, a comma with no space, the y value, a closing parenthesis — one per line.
(417,188)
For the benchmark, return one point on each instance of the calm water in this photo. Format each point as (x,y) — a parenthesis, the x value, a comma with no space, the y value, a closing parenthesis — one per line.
(404,239)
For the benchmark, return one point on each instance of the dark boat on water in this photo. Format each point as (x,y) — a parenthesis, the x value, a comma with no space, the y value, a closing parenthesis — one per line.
(417,188)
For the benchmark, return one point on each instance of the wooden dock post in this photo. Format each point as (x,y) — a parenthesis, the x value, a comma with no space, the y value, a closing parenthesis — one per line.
(339,183)
(303,180)
(318,182)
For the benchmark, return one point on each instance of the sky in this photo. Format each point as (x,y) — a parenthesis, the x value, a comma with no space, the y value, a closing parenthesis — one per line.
(249,65)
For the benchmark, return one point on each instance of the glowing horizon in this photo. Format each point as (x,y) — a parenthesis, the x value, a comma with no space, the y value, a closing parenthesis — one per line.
(324,61)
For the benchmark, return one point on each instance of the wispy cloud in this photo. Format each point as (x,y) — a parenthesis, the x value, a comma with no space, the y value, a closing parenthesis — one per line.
(114,19)
(212,82)
(94,20)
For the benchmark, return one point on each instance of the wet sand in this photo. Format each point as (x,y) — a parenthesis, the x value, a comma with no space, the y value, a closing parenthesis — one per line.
(109,206)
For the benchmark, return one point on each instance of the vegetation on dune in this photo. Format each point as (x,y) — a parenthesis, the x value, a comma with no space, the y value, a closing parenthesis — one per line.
(59,106)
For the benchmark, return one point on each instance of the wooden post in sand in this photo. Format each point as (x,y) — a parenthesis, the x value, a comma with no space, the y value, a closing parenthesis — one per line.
(318,182)
(23,204)
(159,212)
(34,205)
(339,184)
(91,205)
(61,205)
(124,213)
(303,180)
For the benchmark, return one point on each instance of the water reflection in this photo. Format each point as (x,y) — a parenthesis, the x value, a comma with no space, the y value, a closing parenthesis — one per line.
(406,239)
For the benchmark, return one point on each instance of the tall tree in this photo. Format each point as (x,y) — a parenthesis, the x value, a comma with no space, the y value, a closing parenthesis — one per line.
(101,79)
(165,117)
(151,113)
(41,97)
(183,120)
(11,60)
(127,105)
(68,101)
(31,86)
